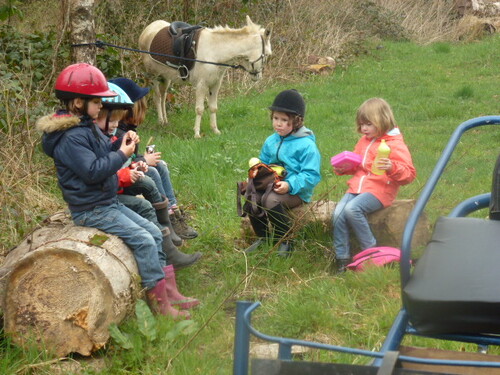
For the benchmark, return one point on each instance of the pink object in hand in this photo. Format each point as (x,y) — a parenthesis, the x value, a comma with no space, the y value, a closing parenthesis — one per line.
(347,160)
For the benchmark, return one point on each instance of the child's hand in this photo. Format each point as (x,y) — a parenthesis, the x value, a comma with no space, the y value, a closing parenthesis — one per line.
(128,145)
(153,158)
(385,164)
(141,166)
(132,136)
(281,187)
(339,170)
(136,175)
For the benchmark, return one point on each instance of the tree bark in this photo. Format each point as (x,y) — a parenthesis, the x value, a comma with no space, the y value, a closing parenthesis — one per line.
(64,285)
(80,15)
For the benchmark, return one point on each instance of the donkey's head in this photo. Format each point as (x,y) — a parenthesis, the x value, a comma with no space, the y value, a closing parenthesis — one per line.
(260,51)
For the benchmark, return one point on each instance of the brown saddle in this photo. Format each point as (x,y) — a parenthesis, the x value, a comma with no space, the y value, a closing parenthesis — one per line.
(178,41)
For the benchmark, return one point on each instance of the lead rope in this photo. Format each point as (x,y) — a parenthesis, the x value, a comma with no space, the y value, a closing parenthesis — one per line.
(101,44)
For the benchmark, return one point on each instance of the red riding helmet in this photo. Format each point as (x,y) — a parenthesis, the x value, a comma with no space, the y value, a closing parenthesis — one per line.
(82,81)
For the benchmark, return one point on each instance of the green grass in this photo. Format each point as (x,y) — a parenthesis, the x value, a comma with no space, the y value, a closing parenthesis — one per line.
(432,89)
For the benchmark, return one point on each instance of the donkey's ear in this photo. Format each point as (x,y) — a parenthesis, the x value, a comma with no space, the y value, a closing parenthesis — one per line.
(268,31)
(249,21)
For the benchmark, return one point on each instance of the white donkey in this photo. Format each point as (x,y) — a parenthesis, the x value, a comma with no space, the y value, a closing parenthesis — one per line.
(216,49)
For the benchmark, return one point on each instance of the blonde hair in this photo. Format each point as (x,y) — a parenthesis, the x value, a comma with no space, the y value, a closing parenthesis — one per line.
(138,113)
(116,114)
(377,112)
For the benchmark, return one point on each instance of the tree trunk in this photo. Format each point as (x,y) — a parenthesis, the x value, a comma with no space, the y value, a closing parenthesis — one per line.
(64,285)
(387,224)
(82,29)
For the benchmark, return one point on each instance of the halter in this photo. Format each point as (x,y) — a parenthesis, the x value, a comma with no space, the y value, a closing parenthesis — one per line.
(262,57)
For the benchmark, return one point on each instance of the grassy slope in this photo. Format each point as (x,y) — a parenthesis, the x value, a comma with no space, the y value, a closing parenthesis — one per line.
(432,89)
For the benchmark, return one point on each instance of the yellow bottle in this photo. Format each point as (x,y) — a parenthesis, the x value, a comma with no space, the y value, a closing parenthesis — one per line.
(383,151)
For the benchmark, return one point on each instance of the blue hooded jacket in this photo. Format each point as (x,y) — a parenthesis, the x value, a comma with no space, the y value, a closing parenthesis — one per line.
(85,160)
(300,156)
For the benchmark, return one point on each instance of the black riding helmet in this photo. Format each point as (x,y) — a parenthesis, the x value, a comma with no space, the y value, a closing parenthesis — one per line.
(289,101)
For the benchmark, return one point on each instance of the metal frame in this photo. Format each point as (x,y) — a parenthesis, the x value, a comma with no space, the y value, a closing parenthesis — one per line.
(401,325)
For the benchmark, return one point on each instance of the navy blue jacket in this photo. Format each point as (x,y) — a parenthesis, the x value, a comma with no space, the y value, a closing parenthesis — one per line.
(85,160)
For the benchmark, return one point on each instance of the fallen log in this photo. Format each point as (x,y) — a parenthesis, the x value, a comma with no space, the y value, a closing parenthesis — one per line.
(387,224)
(63,286)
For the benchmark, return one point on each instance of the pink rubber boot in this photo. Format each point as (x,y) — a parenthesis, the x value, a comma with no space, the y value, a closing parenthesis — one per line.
(157,297)
(173,294)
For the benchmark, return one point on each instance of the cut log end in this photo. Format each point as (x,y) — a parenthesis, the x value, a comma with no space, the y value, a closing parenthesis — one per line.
(63,286)
(60,293)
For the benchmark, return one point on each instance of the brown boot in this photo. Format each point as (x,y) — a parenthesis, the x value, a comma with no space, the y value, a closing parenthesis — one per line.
(178,219)
(174,296)
(158,301)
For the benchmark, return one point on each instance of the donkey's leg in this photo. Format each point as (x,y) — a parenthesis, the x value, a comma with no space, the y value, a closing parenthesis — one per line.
(213,93)
(164,85)
(201,93)
(160,88)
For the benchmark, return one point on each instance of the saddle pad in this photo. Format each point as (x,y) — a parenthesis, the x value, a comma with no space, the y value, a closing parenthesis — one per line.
(455,286)
(164,43)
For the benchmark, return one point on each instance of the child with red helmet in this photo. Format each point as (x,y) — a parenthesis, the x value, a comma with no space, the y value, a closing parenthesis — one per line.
(86,164)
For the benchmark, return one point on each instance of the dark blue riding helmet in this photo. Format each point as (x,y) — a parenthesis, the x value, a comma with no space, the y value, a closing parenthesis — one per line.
(133,90)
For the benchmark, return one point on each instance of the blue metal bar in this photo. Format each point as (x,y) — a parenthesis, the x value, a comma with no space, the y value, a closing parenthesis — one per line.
(470,205)
(285,351)
(429,188)
(480,339)
(290,342)
(395,335)
(241,339)
(245,317)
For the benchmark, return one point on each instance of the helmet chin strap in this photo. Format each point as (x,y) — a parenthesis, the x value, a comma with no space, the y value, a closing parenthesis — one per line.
(106,127)
(86,106)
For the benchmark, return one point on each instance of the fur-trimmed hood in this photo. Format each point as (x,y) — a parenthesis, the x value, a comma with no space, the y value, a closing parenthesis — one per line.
(54,126)
(59,121)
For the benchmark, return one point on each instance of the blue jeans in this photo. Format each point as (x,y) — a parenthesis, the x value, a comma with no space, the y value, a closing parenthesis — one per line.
(147,187)
(140,235)
(161,176)
(351,211)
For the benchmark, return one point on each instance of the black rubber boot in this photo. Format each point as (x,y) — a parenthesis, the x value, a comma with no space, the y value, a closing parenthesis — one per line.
(285,249)
(175,257)
(342,265)
(281,222)
(164,219)
(260,227)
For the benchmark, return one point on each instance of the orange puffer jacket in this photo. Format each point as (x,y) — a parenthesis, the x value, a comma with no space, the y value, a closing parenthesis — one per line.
(385,187)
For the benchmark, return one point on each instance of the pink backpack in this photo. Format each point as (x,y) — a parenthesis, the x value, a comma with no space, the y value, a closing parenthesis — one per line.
(378,256)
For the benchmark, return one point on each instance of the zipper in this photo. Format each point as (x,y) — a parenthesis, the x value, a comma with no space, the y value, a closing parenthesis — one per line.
(278,150)
(362,179)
